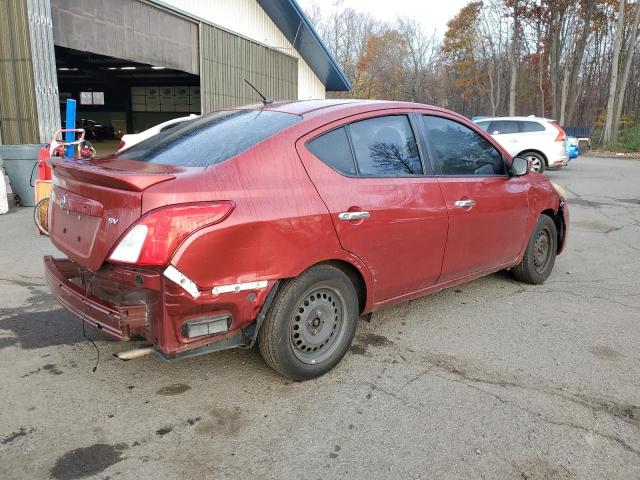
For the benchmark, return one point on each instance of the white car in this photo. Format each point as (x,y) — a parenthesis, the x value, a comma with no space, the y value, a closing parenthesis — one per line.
(131,139)
(539,140)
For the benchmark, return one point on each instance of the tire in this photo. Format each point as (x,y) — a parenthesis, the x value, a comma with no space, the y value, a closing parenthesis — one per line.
(311,324)
(540,255)
(40,216)
(538,163)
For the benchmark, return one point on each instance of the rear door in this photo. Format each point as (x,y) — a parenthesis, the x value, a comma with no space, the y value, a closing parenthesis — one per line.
(386,207)
(487,209)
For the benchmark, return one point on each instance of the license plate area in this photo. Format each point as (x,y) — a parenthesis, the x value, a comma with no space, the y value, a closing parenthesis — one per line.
(76,232)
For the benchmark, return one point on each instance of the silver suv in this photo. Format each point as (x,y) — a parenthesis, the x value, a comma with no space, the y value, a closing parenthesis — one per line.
(539,140)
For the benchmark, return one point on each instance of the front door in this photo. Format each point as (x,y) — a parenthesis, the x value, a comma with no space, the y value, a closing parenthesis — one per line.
(385,208)
(487,209)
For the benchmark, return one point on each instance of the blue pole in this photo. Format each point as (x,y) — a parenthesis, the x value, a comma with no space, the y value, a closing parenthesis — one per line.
(71,123)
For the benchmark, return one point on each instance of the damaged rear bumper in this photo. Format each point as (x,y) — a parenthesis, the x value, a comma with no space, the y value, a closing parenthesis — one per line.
(117,321)
(129,302)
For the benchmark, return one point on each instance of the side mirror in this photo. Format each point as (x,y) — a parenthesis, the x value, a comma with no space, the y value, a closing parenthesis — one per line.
(520,166)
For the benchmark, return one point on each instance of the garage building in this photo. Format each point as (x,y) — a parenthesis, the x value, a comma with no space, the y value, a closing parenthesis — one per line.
(131,64)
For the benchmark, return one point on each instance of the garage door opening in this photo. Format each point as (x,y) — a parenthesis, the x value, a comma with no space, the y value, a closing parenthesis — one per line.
(117,96)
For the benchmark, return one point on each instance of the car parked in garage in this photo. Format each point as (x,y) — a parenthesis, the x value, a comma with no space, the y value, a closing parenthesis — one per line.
(281,225)
(96,132)
(539,140)
(131,139)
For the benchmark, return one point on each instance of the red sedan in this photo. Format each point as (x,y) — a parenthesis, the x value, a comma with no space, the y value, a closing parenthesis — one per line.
(282,224)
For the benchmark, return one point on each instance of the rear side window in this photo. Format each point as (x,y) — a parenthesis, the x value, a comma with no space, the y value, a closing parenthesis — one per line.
(210,139)
(460,150)
(385,147)
(528,127)
(503,127)
(333,149)
(484,125)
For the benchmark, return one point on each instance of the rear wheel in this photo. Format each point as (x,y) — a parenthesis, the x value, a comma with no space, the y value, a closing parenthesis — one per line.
(536,160)
(540,256)
(41,216)
(311,324)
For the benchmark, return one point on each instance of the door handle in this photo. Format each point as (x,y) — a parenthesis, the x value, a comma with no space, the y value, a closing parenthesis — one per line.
(348,216)
(465,203)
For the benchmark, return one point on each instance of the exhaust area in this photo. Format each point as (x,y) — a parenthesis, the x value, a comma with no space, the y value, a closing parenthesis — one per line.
(133,354)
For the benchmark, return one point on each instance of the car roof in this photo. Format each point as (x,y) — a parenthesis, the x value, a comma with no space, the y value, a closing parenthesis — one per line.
(324,106)
(532,118)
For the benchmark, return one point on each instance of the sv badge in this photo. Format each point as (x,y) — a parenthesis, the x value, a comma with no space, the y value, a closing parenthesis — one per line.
(112,221)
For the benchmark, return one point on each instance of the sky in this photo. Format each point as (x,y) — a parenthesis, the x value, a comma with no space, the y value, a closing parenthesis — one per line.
(433,14)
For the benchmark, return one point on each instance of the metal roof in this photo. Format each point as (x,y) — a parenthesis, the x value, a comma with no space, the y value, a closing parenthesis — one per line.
(295,25)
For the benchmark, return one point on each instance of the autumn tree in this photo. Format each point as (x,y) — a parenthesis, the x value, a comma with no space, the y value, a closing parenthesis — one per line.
(381,67)
(514,7)
(620,76)
(475,50)
(420,61)
(459,53)
(577,61)
(346,32)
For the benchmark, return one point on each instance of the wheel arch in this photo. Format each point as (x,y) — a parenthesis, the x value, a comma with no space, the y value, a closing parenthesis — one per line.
(353,272)
(356,277)
(558,220)
(539,152)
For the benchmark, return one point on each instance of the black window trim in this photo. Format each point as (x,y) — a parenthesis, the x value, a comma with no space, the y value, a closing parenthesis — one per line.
(417,134)
(352,150)
(434,154)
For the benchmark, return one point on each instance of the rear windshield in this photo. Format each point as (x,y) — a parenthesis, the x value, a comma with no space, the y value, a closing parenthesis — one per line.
(210,139)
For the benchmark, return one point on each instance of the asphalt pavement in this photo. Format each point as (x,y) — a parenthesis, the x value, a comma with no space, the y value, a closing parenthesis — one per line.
(493,379)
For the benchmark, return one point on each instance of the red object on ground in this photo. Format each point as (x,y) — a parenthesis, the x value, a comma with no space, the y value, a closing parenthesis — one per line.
(156,242)
(44,171)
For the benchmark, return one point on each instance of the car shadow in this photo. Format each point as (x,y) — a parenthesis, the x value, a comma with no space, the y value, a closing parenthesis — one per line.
(39,322)
(39,329)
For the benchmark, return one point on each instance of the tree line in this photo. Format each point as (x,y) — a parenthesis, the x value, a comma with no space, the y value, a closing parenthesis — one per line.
(577,61)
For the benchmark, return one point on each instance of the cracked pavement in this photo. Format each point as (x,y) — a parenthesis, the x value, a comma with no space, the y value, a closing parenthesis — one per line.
(493,379)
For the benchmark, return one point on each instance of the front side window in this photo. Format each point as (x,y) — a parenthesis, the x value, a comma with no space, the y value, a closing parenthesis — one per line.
(385,147)
(210,139)
(460,150)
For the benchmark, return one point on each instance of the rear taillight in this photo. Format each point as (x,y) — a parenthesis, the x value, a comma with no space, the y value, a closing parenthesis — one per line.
(121,144)
(152,240)
(562,136)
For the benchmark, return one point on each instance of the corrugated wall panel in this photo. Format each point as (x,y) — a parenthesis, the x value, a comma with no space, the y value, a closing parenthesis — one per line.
(227,59)
(18,110)
(127,29)
(248,19)
(44,68)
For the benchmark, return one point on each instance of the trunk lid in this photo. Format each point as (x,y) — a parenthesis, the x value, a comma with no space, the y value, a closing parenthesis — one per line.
(93,203)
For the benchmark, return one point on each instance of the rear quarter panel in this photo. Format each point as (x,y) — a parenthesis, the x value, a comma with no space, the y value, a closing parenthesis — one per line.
(279,226)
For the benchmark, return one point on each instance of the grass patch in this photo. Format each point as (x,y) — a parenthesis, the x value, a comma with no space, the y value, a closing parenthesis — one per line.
(628,140)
